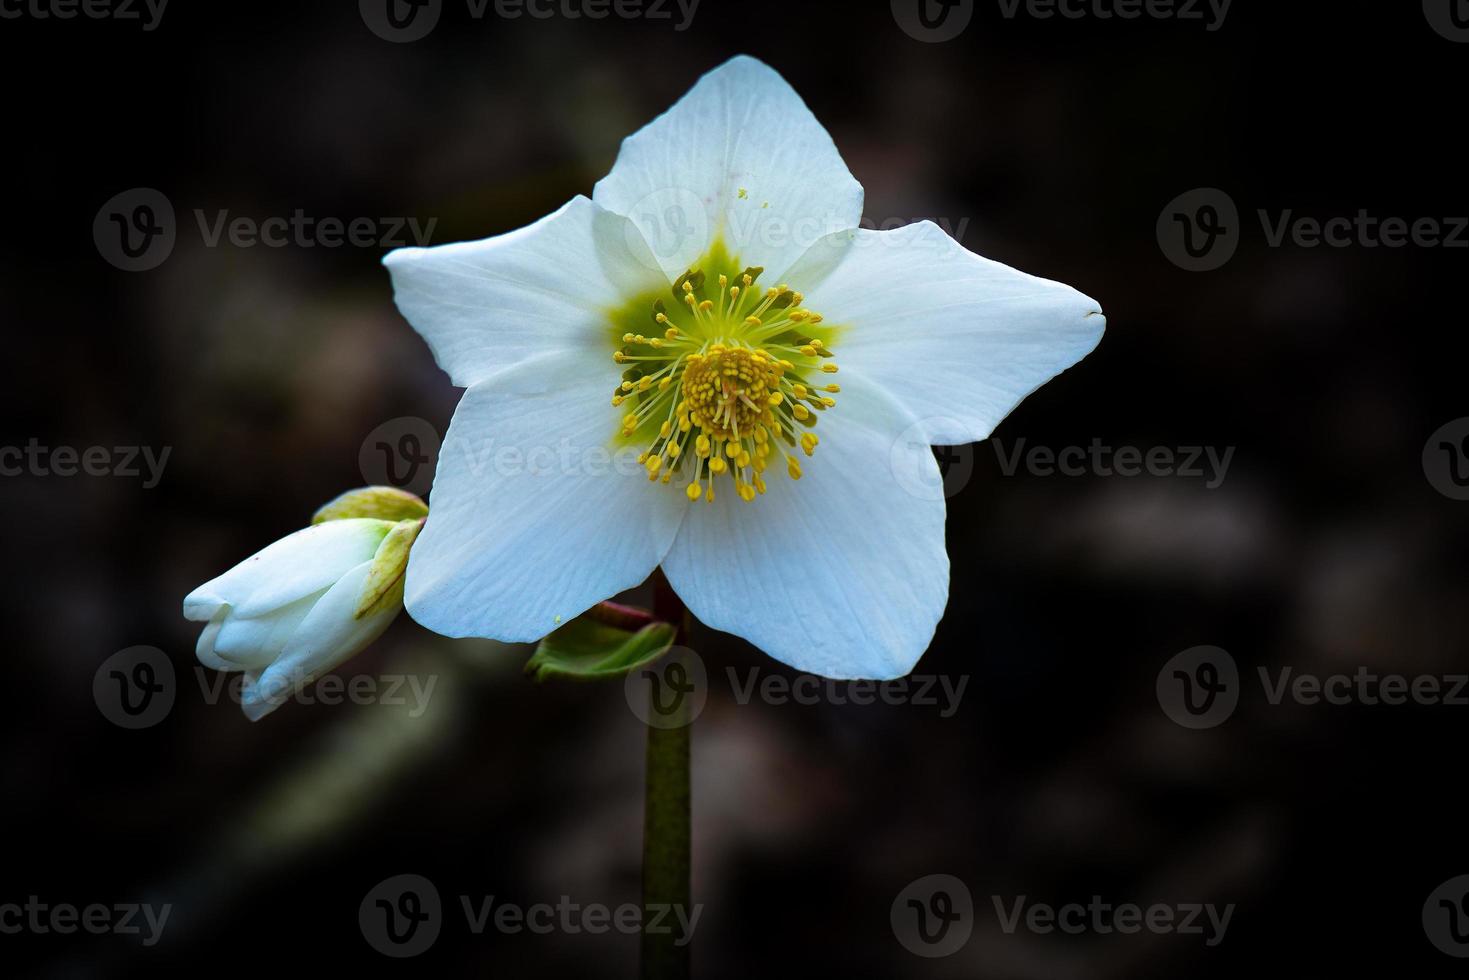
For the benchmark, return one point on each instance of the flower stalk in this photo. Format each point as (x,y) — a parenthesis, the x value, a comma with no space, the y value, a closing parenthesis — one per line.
(666,855)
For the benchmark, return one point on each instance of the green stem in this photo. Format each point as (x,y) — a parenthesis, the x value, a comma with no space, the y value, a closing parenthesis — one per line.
(666,820)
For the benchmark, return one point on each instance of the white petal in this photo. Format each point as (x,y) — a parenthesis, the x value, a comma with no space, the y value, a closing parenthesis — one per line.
(295,566)
(842,573)
(536,514)
(958,339)
(739,157)
(487,306)
(204,649)
(257,642)
(327,636)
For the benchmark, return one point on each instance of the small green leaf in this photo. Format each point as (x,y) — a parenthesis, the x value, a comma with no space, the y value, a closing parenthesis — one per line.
(585,649)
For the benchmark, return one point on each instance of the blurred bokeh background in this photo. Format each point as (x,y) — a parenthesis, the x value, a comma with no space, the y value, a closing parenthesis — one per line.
(1050,144)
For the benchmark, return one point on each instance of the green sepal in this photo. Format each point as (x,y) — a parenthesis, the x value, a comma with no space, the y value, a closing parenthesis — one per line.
(384,585)
(380,503)
(585,650)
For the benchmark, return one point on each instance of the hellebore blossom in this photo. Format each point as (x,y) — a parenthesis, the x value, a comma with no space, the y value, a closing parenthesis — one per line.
(311,600)
(692,314)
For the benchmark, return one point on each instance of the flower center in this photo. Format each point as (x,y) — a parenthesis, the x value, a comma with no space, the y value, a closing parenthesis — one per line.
(724,383)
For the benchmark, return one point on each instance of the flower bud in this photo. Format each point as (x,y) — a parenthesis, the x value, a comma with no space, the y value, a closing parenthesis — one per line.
(311,600)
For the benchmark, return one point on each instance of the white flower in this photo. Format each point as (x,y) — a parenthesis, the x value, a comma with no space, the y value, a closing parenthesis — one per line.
(702,292)
(303,605)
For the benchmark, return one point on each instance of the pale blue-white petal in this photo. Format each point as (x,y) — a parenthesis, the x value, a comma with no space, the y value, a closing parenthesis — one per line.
(487,306)
(536,513)
(960,340)
(258,641)
(204,648)
(295,566)
(842,573)
(739,158)
(328,635)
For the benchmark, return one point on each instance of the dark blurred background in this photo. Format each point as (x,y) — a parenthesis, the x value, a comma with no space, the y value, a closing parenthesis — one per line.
(1055,145)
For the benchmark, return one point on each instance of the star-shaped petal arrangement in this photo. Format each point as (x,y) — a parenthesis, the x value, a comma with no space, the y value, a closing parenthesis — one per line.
(710,367)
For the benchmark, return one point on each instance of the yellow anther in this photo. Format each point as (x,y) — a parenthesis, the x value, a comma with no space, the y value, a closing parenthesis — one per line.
(816,343)
(834,389)
(671,333)
(752,321)
(707,305)
(732,449)
(800,412)
(617,400)
(829,402)
(775,398)
(701,446)
(743,459)
(808,443)
(626,386)
(644,384)
(716,465)
(829,368)
(653,464)
(692,491)
(793,467)
(759,484)
(800,390)
(709,493)
(809,351)
(627,338)
(666,429)
(673,450)
(665,384)
(620,357)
